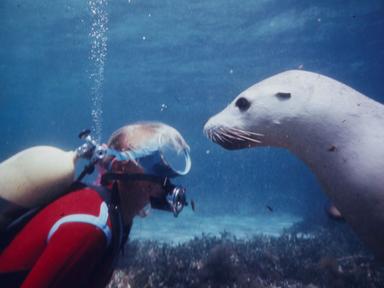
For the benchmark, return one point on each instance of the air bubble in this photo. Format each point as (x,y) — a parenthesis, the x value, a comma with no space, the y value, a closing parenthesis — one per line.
(163,107)
(98,54)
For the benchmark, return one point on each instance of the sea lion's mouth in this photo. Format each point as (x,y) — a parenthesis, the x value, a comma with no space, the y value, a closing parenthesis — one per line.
(232,138)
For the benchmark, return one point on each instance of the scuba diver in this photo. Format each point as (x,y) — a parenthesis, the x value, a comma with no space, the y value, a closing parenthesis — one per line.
(74,240)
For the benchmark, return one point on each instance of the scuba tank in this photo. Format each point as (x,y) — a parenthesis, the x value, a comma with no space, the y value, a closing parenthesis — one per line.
(36,176)
(32,178)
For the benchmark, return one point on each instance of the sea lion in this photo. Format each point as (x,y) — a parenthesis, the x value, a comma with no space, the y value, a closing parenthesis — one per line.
(337,131)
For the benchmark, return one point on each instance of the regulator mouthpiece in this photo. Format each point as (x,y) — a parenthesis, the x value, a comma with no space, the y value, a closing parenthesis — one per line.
(177,199)
(173,201)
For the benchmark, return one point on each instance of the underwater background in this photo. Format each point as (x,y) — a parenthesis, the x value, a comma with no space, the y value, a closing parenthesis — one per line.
(69,65)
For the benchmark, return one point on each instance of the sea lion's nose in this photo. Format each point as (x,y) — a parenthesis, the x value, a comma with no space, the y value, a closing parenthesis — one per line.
(211,125)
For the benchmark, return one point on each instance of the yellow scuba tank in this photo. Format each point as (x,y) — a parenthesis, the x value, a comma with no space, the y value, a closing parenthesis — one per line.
(34,177)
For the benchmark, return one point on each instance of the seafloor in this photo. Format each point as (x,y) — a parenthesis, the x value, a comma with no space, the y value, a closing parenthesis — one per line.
(168,229)
(304,255)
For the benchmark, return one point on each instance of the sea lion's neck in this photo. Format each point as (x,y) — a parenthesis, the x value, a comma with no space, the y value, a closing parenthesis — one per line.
(318,130)
(335,138)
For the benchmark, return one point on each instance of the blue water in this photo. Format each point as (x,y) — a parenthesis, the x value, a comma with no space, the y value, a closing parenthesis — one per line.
(180,62)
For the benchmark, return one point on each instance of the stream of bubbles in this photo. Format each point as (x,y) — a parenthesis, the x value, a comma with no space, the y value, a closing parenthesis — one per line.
(98,54)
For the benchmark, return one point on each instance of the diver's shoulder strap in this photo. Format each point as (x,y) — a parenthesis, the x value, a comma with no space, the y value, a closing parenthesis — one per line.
(120,233)
(15,227)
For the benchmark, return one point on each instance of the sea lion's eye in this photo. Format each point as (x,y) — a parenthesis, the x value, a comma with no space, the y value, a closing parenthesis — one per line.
(243,104)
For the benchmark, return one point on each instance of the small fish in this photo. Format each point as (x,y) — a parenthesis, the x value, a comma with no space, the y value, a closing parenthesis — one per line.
(269,208)
(334,213)
(193,205)
(332,148)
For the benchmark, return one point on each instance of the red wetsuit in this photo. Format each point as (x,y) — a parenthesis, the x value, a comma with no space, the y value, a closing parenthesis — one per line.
(64,245)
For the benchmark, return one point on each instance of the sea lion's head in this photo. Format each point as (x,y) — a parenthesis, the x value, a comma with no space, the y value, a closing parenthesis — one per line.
(262,114)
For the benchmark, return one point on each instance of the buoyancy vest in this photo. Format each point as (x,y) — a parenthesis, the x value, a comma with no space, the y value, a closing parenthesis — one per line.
(120,233)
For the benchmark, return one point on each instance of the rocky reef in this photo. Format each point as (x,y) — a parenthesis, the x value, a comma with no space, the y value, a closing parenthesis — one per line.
(323,257)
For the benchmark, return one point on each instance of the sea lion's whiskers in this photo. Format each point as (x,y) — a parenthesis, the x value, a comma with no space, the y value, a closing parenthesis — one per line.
(226,134)
(219,137)
(229,136)
(245,138)
(213,136)
(251,133)
(245,132)
(226,137)
(241,135)
(236,136)
(208,133)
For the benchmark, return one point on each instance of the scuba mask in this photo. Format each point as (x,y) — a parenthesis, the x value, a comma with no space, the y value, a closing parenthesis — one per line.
(162,158)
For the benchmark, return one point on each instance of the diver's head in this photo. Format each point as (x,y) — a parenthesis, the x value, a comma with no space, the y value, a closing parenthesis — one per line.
(150,148)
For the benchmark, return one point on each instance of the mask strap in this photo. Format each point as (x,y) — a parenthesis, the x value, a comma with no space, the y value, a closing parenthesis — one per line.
(109,177)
